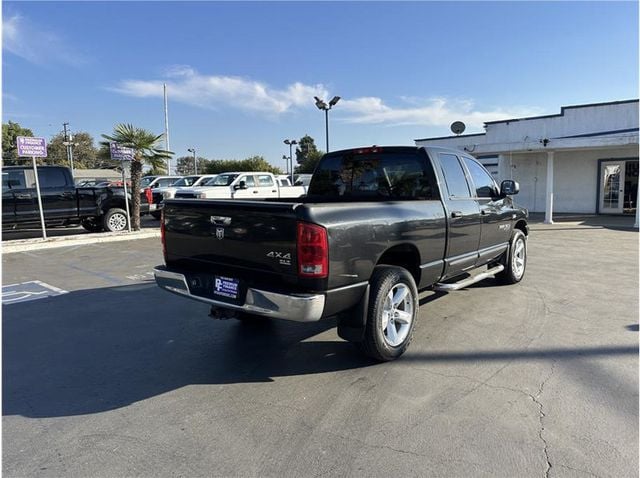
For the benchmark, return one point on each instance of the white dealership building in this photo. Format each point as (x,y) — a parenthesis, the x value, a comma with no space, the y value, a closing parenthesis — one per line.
(583,160)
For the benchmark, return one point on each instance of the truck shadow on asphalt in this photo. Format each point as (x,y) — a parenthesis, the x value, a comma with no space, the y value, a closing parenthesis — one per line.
(97,350)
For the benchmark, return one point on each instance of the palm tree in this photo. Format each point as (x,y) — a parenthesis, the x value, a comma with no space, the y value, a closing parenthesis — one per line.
(145,146)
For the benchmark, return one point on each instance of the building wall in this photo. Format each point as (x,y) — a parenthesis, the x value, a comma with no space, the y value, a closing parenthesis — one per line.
(575,177)
(574,121)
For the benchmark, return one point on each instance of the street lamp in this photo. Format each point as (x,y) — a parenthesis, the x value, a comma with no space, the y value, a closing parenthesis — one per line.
(326,107)
(286,162)
(195,161)
(291,143)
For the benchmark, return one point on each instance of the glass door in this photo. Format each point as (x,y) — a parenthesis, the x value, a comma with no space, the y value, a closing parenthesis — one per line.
(612,187)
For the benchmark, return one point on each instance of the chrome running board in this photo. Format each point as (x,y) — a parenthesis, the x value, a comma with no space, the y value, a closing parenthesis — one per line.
(442,287)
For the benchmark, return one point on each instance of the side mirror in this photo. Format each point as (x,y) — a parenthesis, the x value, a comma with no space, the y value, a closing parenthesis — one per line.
(240,185)
(509,187)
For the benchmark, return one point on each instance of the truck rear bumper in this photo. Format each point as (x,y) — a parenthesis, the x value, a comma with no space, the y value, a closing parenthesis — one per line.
(295,307)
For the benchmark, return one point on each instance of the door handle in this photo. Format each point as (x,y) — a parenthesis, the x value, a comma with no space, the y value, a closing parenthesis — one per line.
(67,194)
(274,191)
(23,196)
(455,214)
(255,192)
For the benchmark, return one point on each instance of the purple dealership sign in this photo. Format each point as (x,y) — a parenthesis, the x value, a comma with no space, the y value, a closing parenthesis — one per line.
(29,146)
(120,153)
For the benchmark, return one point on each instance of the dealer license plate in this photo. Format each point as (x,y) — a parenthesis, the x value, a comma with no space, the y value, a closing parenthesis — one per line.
(226,287)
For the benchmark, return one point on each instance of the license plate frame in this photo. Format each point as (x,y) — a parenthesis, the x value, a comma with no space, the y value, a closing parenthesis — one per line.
(227,288)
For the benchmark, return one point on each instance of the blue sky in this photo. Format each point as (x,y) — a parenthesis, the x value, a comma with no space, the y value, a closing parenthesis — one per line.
(241,76)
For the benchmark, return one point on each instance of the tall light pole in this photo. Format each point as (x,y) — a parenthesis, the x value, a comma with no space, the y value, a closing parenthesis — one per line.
(326,107)
(166,126)
(286,159)
(291,142)
(195,161)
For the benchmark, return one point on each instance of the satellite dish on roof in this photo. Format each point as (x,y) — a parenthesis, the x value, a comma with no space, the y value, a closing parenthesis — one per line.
(457,127)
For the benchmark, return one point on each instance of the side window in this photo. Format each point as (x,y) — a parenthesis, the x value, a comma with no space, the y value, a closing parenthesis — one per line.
(265,181)
(13,180)
(52,178)
(454,176)
(485,186)
(249,181)
(163,183)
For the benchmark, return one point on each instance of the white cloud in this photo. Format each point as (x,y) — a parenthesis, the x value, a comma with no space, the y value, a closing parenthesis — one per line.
(431,112)
(37,45)
(186,85)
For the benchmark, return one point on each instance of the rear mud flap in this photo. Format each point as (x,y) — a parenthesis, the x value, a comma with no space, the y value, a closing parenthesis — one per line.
(351,323)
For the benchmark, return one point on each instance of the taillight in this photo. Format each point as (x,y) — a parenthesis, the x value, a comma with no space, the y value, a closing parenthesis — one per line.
(162,238)
(313,251)
(149,195)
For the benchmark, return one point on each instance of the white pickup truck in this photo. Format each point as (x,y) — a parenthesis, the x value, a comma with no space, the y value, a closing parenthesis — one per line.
(168,192)
(241,185)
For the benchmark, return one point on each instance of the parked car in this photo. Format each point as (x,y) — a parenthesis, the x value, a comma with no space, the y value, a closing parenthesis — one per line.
(154,182)
(378,225)
(241,185)
(168,192)
(94,207)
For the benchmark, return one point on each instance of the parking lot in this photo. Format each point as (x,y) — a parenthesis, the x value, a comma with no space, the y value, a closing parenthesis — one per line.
(111,376)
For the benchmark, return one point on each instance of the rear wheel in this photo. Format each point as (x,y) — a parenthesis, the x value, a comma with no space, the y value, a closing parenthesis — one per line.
(393,308)
(515,262)
(115,220)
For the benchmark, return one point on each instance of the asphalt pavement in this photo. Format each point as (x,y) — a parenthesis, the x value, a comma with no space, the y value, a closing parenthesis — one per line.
(113,377)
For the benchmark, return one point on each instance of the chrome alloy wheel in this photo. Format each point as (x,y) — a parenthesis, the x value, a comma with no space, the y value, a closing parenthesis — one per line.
(117,222)
(397,314)
(519,258)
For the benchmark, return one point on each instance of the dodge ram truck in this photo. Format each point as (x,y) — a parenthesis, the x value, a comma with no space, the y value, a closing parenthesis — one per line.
(378,225)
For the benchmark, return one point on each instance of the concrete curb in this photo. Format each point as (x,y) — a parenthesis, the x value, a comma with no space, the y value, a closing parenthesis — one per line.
(22,245)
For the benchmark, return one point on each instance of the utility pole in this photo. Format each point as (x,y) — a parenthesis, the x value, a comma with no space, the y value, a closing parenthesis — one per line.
(68,142)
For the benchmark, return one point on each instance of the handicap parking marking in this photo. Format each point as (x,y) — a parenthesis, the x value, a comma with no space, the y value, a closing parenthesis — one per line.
(146,277)
(31,290)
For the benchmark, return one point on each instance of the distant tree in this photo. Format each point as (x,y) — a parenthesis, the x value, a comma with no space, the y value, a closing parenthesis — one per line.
(307,155)
(185,166)
(85,154)
(146,150)
(306,147)
(10,131)
(254,163)
(156,170)
(309,164)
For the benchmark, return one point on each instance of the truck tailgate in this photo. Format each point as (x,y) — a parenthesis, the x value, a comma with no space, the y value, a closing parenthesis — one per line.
(237,236)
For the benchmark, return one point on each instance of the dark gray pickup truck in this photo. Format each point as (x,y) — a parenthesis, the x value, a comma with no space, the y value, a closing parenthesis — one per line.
(378,225)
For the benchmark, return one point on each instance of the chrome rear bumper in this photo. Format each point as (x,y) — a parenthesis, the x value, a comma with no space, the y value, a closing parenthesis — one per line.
(295,307)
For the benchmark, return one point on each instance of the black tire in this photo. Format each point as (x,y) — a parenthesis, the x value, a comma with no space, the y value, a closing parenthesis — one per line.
(515,261)
(378,342)
(156,215)
(92,224)
(115,220)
